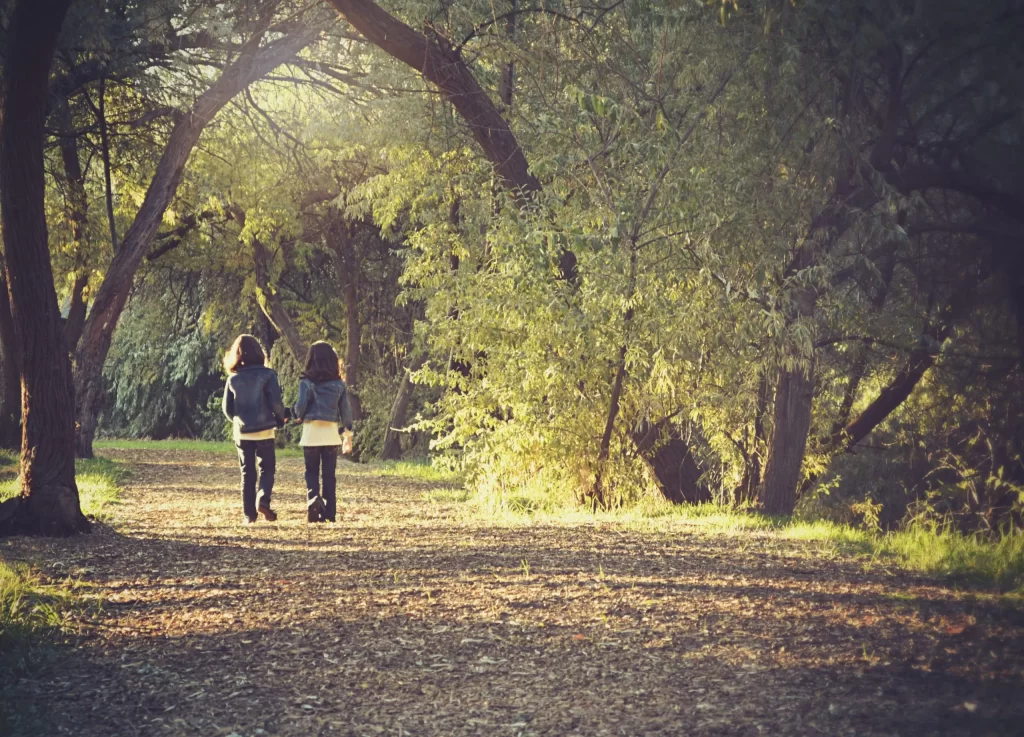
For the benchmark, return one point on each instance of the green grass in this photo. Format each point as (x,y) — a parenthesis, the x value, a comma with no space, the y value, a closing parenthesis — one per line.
(419,470)
(203,446)
(970,560)
(28,607)
(99,484)
(993,563)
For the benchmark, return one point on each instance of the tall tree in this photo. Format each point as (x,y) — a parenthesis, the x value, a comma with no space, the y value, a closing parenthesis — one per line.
(48,503)
(10,372)
(254,60)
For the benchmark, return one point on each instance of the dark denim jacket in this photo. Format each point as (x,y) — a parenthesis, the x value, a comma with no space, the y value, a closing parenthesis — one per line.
(326,400)
(253,395)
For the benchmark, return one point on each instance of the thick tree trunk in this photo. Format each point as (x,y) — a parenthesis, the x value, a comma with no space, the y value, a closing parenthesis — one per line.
(272,306)
(392,449)
(794,391)
(48,503)
(791,419)
(672,462)
(10,372)
(112,295)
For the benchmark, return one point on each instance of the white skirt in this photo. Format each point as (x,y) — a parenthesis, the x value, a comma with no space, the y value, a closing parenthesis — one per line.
(320,432)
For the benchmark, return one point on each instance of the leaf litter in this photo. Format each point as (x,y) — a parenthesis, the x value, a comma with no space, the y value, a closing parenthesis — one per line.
(408,618)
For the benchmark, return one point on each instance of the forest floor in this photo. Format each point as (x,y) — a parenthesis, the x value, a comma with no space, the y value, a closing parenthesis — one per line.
(412,617)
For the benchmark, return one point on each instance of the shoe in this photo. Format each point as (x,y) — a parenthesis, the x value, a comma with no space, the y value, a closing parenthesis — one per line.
(249,520)
(315,510)
(268,514)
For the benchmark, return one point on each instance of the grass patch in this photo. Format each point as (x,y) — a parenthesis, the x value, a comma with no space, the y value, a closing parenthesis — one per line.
(29,609)
(34,617)
(99,484)
(967,559)
(975,561)
(202,446)
(447,495)
(419,470)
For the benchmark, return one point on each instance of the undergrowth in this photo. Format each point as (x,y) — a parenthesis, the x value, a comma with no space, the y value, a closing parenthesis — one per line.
(992,562)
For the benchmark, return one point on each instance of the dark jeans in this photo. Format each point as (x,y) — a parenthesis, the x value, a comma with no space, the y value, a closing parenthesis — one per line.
(257,460)
(322,459)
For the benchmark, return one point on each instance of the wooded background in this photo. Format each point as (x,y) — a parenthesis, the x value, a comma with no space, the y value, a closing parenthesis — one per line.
(754,252)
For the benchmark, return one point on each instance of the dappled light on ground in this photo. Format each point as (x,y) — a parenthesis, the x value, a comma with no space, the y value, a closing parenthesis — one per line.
(409,617)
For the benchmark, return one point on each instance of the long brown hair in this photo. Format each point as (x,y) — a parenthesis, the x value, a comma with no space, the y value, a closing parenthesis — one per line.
(322,363)
(244,352)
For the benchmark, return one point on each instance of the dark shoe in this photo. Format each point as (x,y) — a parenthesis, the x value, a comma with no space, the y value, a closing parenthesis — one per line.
(249,520)
(315,510)
(268,514)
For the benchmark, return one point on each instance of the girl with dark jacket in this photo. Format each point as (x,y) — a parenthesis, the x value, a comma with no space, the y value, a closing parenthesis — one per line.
(322,404)
(252,401)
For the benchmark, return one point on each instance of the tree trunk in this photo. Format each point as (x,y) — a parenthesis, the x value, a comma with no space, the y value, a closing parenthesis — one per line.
(251,64)
(272,307)
(76,312)
(392,449)
(442,65)
(747,491)
(48,503)
(597,495)
(672,462)
(794,391)
(10,372)
(352,338)
(346,264)
(791,419)
(77,209)
(902,385)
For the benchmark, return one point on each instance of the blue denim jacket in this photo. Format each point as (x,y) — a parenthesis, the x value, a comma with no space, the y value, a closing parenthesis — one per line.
(325,400)
(253,395)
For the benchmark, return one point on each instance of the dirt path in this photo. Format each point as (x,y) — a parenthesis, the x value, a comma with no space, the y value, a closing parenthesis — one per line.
(402,620)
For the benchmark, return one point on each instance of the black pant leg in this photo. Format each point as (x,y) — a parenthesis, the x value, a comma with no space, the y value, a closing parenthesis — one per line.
(247,464)
(329,459)
(311,455)
(266,464)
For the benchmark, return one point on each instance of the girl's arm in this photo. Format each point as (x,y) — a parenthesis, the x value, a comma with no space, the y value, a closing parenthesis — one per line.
(302,403)
(228,403)
(345,408)
(273,392)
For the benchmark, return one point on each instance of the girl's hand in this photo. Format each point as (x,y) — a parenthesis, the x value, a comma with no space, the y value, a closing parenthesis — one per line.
(346,443)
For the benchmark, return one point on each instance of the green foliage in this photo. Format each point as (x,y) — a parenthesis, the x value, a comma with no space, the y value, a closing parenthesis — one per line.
(716,169)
